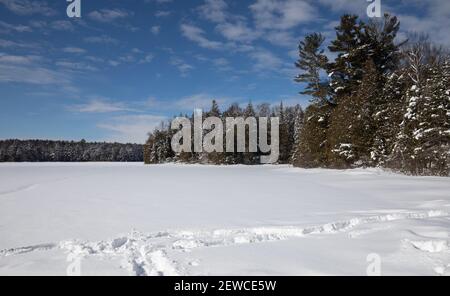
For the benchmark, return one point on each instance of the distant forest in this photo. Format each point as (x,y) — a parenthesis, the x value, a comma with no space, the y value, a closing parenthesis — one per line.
(379,102)
(67,151)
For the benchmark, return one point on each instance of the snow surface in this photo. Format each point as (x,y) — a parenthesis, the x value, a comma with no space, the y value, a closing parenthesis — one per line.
(132,219)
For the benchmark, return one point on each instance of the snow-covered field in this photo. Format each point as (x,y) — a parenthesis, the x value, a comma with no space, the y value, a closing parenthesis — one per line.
(131,219)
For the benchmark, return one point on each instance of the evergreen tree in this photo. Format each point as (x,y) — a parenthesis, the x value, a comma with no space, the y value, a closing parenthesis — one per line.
(249,157)
(387,117)
(284,142)
(297,128)
(311,149)
(216,157)
(312,61)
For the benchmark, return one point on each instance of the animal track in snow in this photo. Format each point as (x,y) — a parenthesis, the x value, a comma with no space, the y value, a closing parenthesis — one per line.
(149,254)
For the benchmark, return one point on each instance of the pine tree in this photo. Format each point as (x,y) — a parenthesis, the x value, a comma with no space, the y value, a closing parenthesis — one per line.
(297,128)
(346,70)
(387,117)
(312,143)
(215,157)
(284,142)
(432,134)
(416,70)
(312,61)
(249,157)
(233,157)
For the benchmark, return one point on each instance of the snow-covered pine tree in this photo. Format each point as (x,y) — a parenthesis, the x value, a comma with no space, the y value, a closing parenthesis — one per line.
(432,134)
(365,53)
(362,104)
(387,117)
(403,154)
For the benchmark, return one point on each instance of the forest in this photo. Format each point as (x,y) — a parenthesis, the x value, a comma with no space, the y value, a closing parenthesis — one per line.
(67,151)
(379,102)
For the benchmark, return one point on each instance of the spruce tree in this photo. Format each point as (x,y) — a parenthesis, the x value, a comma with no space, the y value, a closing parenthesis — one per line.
(312,143)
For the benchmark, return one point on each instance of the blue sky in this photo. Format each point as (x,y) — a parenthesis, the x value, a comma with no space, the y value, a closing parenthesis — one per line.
(124,66)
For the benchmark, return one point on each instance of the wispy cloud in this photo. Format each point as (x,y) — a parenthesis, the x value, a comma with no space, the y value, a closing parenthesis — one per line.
(101,39)
(62,25)
(162,13)
(266,60)
(196,34)
(99,105)
(8,28)
(214,10)
(13,44)
(28,69)
(155,30)
(75,66)
(109,15)
(28,7)
(282,14)
(181,65)
(131,128)
(237,31)
(74,50)
(148,58)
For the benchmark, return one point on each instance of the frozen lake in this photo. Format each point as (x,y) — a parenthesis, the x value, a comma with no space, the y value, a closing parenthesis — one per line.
(132,219)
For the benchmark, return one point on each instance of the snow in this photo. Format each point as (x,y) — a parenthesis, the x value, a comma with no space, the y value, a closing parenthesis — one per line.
(132,219)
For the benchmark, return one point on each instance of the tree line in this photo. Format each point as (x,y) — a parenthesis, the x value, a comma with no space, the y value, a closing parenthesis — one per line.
(158,147)
(379,102)
(67,151)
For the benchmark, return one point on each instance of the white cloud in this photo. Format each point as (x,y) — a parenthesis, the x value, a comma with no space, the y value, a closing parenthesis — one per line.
(32,70)
(181,65)
(101,39)
(148,58)
(214,10)
(282,14)
(99,105)
(11,44)
(348,6)
(7,28)
(131,128)
(28,7)
(108,15)
(273,20)
(113,63)
(283,38)
(14,59)
(265,60)
(155,30)
(196,34)
(162,13)
(435,23)
(75,66)
(74,50)
(61,25)
(238,31)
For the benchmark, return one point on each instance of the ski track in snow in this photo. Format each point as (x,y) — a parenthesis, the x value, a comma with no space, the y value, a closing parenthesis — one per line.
(147,254)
